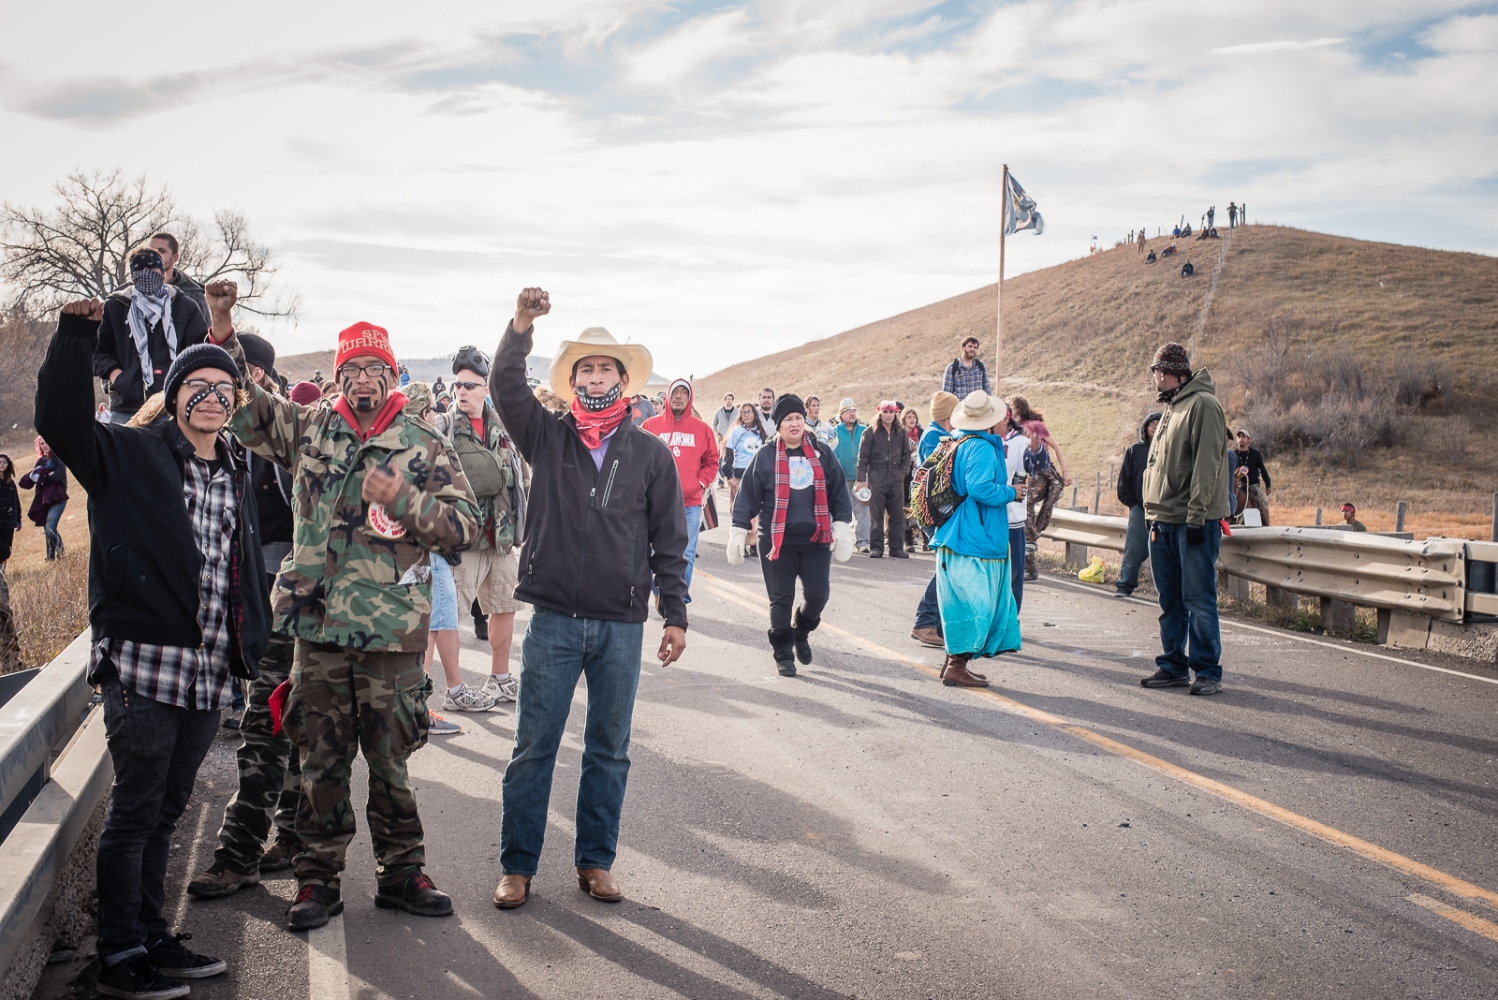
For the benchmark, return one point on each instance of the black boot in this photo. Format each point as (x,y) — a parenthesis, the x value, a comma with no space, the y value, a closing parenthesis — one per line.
(804,627)
(480,622)
(780,642)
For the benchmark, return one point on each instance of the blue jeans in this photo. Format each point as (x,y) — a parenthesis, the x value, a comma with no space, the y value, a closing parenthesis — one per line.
(1017,564)
(54,538)
(156,750)
(1186,577)
(1136,550)
(928,612)
(694,528)
(556,650)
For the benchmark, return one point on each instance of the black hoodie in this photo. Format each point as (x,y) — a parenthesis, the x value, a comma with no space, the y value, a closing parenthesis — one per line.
(116,346)
(1131,472)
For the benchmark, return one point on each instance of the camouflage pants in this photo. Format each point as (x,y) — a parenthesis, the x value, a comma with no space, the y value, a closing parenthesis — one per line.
(1045,490)
(343,701)
(270,778)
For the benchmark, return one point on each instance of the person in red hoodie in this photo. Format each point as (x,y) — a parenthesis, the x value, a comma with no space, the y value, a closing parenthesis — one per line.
(695,447)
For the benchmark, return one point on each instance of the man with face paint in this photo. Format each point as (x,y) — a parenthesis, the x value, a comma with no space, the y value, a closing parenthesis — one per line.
(605,522)
(373,494)
(145,324)
(177,605)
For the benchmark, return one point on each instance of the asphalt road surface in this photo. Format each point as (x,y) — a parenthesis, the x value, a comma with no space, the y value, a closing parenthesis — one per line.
(1326,827)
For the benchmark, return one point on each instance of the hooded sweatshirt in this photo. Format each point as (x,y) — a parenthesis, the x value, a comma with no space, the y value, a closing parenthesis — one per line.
(692,444)
(1131,469)
(1186,474)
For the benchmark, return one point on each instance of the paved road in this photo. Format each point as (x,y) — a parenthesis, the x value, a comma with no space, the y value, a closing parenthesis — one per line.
(1325,827)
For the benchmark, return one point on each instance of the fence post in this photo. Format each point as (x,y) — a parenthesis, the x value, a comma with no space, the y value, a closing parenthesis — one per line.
(1074,490)
(1097,498)
(1399,512)
(1318,516)
(1495,517)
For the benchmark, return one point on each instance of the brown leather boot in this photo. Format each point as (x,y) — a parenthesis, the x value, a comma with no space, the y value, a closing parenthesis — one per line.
(956,674)
(600,884)
(513,890)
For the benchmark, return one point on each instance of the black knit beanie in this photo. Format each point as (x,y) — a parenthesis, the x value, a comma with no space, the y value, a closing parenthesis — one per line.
(196,358)
(785,406)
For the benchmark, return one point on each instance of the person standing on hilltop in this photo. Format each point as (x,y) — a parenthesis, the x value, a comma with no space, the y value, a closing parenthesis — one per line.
(1232,216)
(966,372)
(1186,489)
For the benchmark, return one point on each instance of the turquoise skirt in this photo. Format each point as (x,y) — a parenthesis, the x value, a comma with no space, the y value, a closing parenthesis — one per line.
(978,614)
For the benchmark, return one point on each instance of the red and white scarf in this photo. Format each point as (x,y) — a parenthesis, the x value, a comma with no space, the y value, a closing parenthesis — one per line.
(592,425)
(823,533)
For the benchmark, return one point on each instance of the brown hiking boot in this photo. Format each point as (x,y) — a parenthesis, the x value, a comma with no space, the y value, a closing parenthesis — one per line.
(219,881)
(279,856)
(927,637)
(956,674)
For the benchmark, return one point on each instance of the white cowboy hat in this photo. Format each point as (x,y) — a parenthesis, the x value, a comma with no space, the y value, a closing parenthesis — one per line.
(594,342)
(976,413)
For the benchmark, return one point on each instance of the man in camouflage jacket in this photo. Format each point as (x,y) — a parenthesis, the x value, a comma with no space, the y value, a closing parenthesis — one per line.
(373,493)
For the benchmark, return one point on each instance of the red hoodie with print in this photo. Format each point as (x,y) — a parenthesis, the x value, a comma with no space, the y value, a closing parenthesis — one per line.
(693,444)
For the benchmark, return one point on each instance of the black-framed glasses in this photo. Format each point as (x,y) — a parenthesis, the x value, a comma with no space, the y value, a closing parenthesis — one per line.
(470,385)
(375,371)
(197,385)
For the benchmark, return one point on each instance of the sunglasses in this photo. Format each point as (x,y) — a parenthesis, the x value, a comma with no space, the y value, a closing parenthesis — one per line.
(470,385)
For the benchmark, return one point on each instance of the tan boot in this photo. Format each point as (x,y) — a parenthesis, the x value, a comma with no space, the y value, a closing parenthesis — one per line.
(956,674)
(599,884)
(513,890)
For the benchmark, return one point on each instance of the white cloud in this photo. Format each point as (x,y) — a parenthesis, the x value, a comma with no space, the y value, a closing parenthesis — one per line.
(1254,48)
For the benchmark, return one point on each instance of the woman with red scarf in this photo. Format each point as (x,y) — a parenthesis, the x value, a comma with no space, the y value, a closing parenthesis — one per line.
(805,520)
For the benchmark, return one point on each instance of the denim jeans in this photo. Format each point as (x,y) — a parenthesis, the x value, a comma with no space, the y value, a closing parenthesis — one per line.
(156,749)
(860,518)
(1186,577)
(928,613)
(54,538)
(1016,564)
(557,650)
(1136,550)
(694,528)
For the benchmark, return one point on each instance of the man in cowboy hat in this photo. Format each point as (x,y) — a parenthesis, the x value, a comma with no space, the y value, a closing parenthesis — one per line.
(605,521)
(978,615)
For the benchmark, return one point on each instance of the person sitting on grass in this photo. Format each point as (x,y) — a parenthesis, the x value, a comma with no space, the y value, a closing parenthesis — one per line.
(1188,269)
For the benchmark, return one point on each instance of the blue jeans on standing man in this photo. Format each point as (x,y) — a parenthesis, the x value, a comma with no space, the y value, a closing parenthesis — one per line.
(1136,550)
(557,649)
(1186,577)
(694,527)
(1017,564)
(54,538)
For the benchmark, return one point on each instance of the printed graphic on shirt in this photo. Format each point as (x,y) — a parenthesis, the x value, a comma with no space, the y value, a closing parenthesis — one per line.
(800,468)
(677,440)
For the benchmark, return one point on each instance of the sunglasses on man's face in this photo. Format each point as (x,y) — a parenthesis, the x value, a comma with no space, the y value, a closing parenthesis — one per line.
(469,385)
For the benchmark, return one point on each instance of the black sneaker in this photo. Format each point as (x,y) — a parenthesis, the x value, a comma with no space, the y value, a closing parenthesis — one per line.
(1200,686)
(174,959)
(1164,679)
(1121,592)
(313,907)
(415,895)
(137,979)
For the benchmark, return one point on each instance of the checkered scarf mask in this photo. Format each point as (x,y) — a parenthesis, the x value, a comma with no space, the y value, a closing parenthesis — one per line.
(823,533)
(150,304)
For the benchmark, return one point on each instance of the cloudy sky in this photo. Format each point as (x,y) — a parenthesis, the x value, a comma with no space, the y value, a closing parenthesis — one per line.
(719,180)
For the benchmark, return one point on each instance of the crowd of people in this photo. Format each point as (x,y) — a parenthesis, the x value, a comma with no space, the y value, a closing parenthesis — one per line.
(314,543)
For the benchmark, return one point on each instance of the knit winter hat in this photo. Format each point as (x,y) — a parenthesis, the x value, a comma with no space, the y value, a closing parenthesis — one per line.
(196,358)
(785,406)
(942,405)
(305,393)
(364,339)
(1172,359)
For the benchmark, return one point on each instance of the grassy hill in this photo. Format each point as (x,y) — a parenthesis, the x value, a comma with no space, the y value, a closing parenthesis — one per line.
(1405,334)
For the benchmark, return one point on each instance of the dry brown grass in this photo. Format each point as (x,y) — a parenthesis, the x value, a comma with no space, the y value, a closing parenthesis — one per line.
(1079,337)
(50,599)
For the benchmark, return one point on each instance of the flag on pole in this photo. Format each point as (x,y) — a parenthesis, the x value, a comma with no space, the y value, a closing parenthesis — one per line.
(1020,211)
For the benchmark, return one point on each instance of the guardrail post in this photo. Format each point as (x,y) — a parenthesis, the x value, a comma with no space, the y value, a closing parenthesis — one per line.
(1278,597)
(1337,616)
(1236,586)
(1399,511)
(1076,555)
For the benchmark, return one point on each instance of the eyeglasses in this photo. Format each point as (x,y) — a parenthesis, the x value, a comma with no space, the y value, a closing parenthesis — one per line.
(470,385)
(374,372)
(197,385)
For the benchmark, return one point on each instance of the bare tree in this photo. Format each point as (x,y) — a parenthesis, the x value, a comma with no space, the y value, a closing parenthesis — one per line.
(81,246)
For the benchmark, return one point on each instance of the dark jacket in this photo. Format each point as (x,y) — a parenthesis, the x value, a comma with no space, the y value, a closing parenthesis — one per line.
(593,538)
(884,458)
(144,563)
(1257,471)
(50,480)
(116,347)
(192,290)
(757,490)
(10,503)
(1131,470)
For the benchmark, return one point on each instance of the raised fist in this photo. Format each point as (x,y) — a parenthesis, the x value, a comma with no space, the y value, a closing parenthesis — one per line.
(90,309)
(532,302)
(221,296)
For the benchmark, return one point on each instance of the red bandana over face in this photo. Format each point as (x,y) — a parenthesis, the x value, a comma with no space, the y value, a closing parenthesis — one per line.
(592,425)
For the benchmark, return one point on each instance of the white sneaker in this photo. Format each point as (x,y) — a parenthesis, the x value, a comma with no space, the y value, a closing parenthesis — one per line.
(507,690)
(469,700)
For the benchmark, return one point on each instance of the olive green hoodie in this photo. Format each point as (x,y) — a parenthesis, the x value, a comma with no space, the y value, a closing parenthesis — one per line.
(1186,476)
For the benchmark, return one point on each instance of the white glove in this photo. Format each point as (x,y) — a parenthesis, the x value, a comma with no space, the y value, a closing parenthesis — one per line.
(842,541)
(736,540)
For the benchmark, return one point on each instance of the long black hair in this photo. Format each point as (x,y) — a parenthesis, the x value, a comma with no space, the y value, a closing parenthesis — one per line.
(9,474)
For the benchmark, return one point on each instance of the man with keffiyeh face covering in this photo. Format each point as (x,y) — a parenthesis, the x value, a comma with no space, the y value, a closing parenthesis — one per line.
(797,489)
(604,523)
(146,324)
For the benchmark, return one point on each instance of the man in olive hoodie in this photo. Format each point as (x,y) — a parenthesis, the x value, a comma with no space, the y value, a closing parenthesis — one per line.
(1185,500)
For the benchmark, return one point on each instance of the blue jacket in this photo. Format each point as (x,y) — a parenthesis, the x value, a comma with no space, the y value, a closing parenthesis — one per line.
(845,447)
(930,438)
(980,525)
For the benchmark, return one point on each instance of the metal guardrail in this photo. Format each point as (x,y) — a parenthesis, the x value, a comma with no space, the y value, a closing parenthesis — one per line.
(46,716)
(1426,577)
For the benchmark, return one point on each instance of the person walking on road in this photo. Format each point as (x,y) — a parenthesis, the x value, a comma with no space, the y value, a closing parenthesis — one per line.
(1185,499)
(1047,478)
(805,520)
(49,477)
(607,525)
(746,438)
(824,430)
(1131,494)
(927,627)
(847,443)
(1255,473)
(766,411)
(724,417)
(694,448)
(883,458)
(374,493)
(1016,446)
(978,615)
(177,606)
(966,372)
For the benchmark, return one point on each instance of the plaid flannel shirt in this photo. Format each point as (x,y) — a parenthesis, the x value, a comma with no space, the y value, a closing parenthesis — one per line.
(960,381)
(180,675)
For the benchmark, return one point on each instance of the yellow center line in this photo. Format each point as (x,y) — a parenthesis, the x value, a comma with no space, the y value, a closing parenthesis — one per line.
(1391,859)
(1473,923)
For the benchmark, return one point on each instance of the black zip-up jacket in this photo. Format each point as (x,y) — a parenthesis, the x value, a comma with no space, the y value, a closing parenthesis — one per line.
(757,492)
(144,562)
(1131,469)
(116,346)
(594,538)
(1253,461)
(884,458)
(10,502)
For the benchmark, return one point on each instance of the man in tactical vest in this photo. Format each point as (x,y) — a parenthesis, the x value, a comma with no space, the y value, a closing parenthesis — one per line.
(489,569)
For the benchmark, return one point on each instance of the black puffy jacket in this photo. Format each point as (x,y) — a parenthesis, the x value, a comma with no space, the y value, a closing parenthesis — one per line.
(595,539)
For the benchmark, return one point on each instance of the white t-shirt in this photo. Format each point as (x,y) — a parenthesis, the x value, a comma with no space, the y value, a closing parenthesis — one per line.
(1015,446)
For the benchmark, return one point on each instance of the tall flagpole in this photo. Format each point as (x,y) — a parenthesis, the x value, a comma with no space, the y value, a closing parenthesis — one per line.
(998,359)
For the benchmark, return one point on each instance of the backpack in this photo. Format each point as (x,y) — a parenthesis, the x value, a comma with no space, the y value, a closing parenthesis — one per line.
(933,497)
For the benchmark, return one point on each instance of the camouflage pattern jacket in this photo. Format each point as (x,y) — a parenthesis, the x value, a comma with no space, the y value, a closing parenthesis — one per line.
(342,583)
